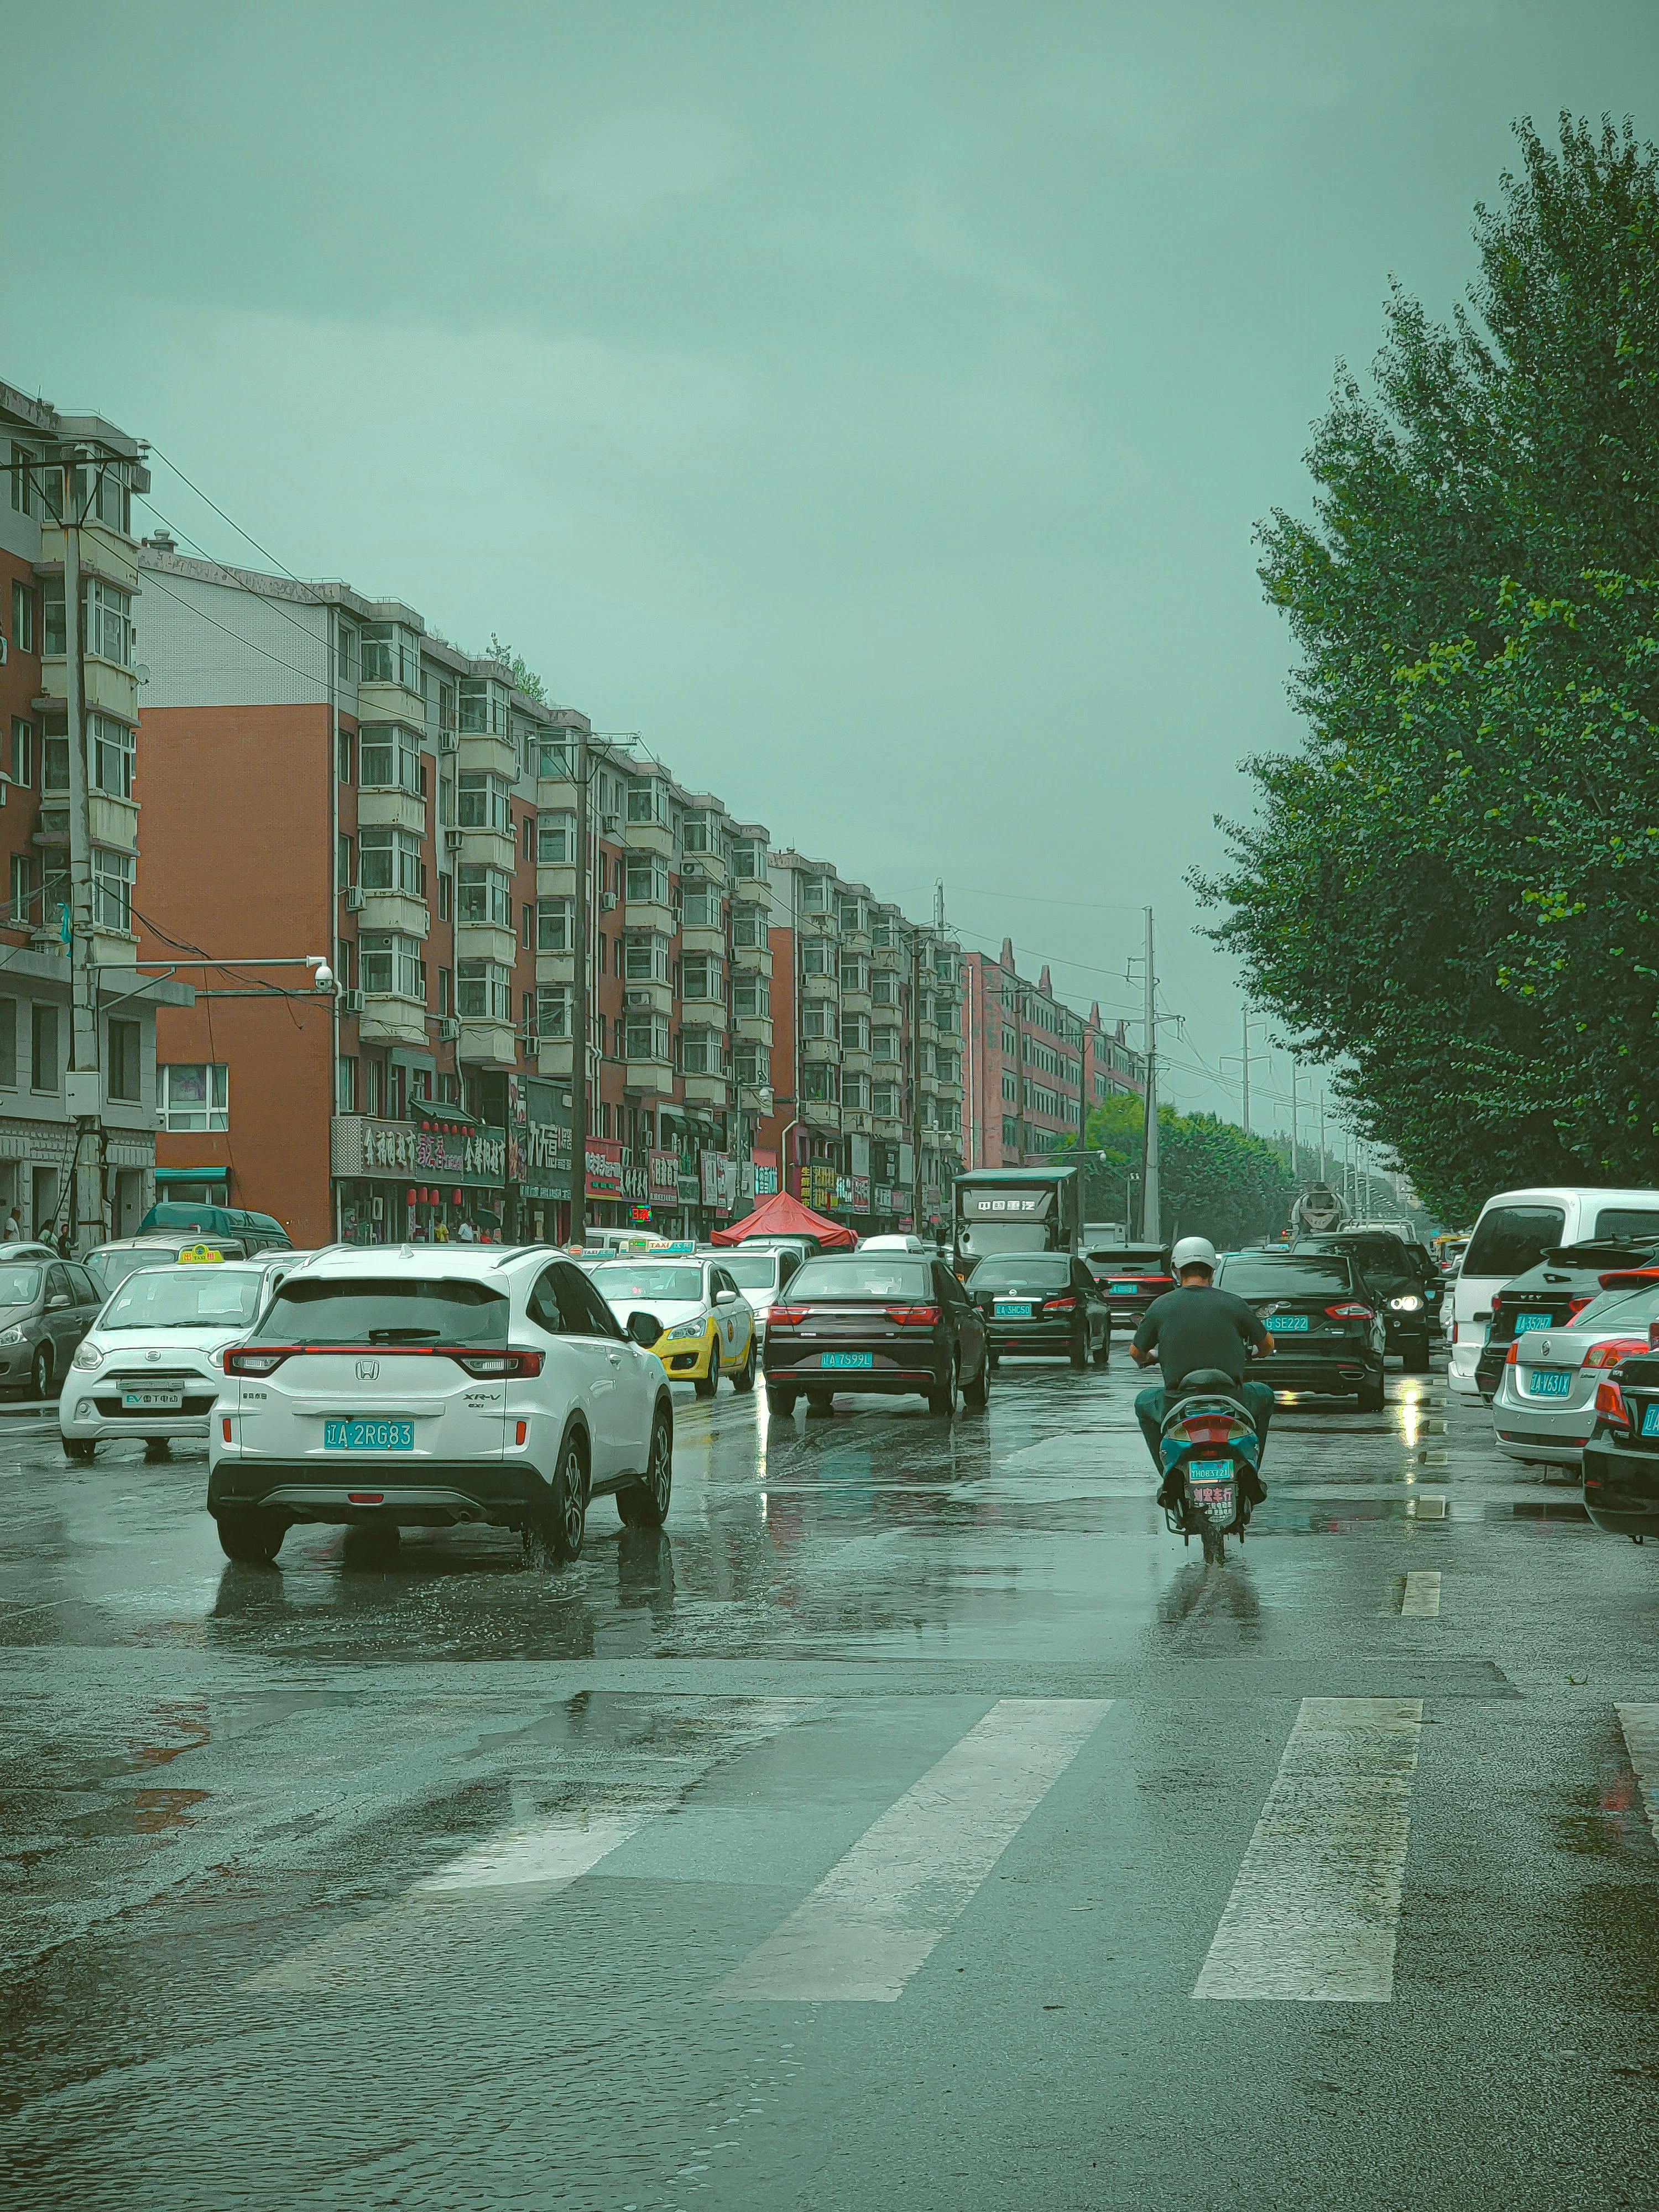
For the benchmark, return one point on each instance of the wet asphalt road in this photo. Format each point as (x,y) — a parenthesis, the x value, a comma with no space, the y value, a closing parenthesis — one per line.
(861,1840)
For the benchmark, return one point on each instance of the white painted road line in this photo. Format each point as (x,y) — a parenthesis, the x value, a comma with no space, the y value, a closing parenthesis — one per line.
(1641,1727)
(1314,1913)
(1421,1599)
(1426,1506)
(873,1919)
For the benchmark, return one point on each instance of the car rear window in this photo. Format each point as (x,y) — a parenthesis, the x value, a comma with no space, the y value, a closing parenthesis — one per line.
(185,1298)
(877,1277)
(1298,1278)
(1510,1239)
(386,1309)
(1626,1221)
(1018,1270)
(684,1284)
(1118,1261)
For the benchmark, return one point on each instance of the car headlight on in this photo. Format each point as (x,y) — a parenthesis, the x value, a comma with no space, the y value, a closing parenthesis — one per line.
(87,1355)
(1405,1305)
(686,1329)
(13,1335)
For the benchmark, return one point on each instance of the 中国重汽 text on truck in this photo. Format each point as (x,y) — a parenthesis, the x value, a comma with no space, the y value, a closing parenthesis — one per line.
(1016,1210)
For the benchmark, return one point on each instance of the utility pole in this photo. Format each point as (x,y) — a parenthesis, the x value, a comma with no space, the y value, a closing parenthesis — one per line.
(82,1089)
(1149,1192)
(1082,1112)
(1324,1171)
(579,1009)
(1296,1128)
(916,1080)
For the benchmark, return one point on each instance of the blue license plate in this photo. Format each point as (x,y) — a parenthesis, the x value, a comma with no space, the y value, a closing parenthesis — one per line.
(1524,1321)
(1014,1309)
(1651,1422)
(368,1436)
(847,1359)
(1210,1470)
(1289,1324)
(1124,1290)
(1548,1381)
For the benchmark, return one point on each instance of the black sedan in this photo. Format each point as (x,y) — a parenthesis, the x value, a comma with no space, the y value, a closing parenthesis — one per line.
(1042,1303)
(1326,1330)
(1621,1459)
(1130,1276)
(891,1322)
(1385,1261)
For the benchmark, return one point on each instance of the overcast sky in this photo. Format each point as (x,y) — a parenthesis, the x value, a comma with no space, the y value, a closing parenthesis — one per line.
(870,403)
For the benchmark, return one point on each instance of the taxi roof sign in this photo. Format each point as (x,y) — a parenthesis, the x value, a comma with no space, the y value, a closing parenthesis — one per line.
(200,1255)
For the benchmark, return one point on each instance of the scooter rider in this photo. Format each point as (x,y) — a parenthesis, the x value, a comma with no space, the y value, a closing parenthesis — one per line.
(1195,1326)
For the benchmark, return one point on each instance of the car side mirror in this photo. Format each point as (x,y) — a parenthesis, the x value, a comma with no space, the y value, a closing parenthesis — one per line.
(58,1298)
(645,1329)
(726,1298)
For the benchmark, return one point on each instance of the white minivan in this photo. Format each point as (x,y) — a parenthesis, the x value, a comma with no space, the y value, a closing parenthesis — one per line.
(1514,1232)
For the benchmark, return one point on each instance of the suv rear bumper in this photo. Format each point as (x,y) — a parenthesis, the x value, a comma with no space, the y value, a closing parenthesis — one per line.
(432,1494)
(1337,1375)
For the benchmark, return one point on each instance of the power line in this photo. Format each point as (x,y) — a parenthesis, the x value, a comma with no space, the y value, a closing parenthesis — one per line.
(309,674)
(223,517)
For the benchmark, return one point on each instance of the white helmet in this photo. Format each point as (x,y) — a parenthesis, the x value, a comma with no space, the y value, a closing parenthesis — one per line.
(1192,1252)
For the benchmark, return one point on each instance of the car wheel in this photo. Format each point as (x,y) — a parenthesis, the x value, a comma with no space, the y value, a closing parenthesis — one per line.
(744,1381)
(41,1373)
(1416,1356)
(1104,1350)
(944,1400)
(1079,1351)
(555,1529)
(821,1402)
(993,1359)
(781,1403)
(644,1505)
(977,1393)
(1371,1397)
(157,1448)
(705,1385)
(81,1447)
(250,1537)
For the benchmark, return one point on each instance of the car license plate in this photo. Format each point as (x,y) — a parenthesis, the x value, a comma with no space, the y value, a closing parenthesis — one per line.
(1013,1309)
(1548,1381)
(1288,1325)
(1524,1321)
(1210,1470)
(368,1436)
(847,1359)
(1124,1290)
(152,1401)
(1651,1422)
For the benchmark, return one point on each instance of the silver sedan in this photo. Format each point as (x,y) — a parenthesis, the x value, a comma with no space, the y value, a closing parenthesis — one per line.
(1545,1405)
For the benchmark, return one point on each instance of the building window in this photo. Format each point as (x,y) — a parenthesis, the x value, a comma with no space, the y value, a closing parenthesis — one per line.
(647,801)
(701,910)
(645,960)
(109,622)
(526,927)
(555,930)
(22,752)
(390,964)
(125,1076)
(54,765)
(753,1065)
(747,927)
(390,860)
(556,839)
(484,991)
(647,1037)
(484,804)
(484,895)
(8,1044)
(193,1095)
(346,655)
(815,960)
(392,654)
(21,912)
(856,1092)
(750,998)
(855,1032)
(553,1011)
(647,881)
(112,750)
(23,496)
(482,707)
(446,899)
(22,617)
(884,1101)
(112,890)
(43,1048)
(555,763)
(819,1082)
(702,1052)
(699,976)
(390,756)
(749,862)
(342,756)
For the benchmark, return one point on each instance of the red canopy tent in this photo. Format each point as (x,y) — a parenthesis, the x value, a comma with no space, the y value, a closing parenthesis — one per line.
(784,1216)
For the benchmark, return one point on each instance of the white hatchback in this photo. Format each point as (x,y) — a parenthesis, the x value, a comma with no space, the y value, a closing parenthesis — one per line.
(147,1371)
(425,1386)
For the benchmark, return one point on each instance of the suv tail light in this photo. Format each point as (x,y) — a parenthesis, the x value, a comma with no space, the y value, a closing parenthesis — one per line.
(263,1359)
(1610,1354)
(914,1316)
(785,1317)
(498,1363)
(1610,1405)
(1577,1305)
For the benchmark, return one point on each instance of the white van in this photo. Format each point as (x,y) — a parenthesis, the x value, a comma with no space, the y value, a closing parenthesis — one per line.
(1514,1232)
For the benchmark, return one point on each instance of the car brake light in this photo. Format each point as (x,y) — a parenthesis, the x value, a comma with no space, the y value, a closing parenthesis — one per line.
(247,1359)
(1610,1405)
(913,1317)
(1577,1305)
(1511,1357)
(1619,1347)
(224,1428)
(1351,1313)
(1453,1333)
(495,1363)
(1068,1305)
(1494,1304)
(785,1317)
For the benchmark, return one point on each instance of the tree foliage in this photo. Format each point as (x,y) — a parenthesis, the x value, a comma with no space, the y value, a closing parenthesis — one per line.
(1454,883)
(523,674)
(1216,1182)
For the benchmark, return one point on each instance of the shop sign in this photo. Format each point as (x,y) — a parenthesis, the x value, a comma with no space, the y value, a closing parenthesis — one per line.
(888,1200)
(636,1185)
(860,1198)
(766,1174)
(687,1186)
(360,1146)
(605,1168)
(719,1175)
(662,1171)
(819,1184)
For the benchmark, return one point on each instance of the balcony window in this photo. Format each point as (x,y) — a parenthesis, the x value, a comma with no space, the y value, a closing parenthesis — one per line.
(54,766)
(484,895)
(345,653)
(392,654)
(109,622)
(193,1095)
(854,975)
(645,959)
(884,1043)
(648,881)
(645,1034)
(554,762)
(484,991)
(695,835)
(701,977)
(817,960)
(390,860)
(647,801)
(485,803)
(553,1011)
(815,895)
(749,998)
(884,1101)
(883,990)
(749,860)
(482,707)
(556,925)
(818,1020)
(748,927)
(856,1092)
(820,1081)
(884,933)
(390,964)
(702,1052)
(556,839)
(855,1032)
(112,890)
(700,910)
(850,913)
(389,758)
(752,1064)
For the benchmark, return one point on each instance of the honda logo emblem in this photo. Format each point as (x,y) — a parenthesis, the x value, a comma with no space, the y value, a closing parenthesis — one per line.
(367,1370)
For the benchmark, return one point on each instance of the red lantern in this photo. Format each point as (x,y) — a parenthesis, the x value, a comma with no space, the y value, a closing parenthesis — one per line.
(456,1196)
(412,1196)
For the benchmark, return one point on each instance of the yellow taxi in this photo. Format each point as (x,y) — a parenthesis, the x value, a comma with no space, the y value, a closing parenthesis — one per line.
(708,1325)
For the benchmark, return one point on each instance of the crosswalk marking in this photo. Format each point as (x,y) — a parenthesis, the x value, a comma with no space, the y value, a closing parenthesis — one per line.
(1313,1914)
(1421,1599)
(873,1919)
(1641,1726)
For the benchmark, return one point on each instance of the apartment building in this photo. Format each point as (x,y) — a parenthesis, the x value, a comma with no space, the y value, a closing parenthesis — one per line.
(1028,1052)
(332,779)
(866,1049)
(79,470)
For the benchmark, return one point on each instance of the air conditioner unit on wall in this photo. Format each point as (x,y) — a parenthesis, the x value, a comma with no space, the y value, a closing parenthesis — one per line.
(607,902)
(452,841)
(448,741)
(354,898)
(449,1030)
(692,868)
(610,825)
(351,1002)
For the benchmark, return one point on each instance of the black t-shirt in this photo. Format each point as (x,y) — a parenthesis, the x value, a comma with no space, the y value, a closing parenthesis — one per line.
(1200,1325)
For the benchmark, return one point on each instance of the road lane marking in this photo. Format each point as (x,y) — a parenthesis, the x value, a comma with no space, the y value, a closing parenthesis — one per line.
(1423,1507)
(1315,1912)
(1421,1598)
(1641,1726)
(876,1916)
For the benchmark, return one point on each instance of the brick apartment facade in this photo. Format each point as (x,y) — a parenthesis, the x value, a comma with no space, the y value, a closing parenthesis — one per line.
(1024,1045)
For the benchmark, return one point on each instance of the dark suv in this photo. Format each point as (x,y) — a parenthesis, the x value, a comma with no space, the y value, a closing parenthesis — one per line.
(1324,1319)
(1408,1314)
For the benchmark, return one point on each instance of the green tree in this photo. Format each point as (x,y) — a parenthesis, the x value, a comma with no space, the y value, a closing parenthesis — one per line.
(523,674)
(1216,1182)
(1453,885)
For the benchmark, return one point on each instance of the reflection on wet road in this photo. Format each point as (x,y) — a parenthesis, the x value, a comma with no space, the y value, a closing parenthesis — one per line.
(865,1837)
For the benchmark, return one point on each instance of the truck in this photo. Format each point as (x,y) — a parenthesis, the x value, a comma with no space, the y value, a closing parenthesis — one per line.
(1317,1211)
(1015,1210)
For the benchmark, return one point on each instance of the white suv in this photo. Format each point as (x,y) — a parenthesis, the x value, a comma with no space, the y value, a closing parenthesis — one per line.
(420,1387)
